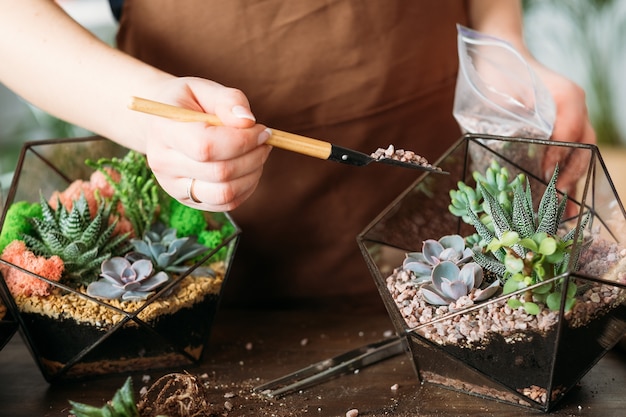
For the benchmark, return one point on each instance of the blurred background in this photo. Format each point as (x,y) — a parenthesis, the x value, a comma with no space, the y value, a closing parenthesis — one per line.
(582,39)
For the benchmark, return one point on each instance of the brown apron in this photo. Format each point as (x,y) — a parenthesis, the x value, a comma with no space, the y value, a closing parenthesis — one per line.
(360,74)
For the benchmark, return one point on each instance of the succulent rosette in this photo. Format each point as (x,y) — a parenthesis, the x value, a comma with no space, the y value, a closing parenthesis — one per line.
(124,280)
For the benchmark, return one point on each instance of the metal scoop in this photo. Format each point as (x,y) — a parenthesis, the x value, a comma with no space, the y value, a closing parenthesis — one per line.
(280,139)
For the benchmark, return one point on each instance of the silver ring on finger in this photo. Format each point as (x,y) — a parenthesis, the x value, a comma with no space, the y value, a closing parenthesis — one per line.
(190,193)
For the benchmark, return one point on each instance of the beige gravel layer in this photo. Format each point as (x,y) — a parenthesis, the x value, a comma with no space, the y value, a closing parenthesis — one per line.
(82,309)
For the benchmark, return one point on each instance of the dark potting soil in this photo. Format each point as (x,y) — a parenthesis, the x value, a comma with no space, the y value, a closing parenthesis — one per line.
(7,330)
(580,348)
(64,340)
(515,363)
(530,361)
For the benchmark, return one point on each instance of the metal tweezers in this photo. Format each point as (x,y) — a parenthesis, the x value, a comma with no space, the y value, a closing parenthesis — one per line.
(332,367)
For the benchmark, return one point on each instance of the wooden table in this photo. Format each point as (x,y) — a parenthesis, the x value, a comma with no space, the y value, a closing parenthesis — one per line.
(250,347)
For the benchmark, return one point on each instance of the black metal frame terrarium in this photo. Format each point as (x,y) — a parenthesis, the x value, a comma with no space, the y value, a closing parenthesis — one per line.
(8,324)
(496,348)
(74,335)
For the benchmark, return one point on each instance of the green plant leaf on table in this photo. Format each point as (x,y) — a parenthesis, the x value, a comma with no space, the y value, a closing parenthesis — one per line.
(122,405)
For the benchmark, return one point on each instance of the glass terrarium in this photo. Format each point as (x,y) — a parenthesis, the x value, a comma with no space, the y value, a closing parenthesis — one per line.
(503,285)
(8,325)
(106,272)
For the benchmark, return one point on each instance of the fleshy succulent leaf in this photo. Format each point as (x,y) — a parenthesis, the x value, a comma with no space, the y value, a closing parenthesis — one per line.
(449,283)
(124,280)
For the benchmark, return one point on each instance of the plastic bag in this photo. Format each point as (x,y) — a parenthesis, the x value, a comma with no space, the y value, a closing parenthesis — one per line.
(497,93)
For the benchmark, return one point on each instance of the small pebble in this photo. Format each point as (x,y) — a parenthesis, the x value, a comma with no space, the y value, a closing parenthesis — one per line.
(249,346)
(401,155)
(304,342)
(352,413)
(394,387)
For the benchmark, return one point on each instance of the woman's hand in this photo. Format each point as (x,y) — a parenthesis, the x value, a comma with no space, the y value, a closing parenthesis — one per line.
(213,168)
(572,124)
(504,19)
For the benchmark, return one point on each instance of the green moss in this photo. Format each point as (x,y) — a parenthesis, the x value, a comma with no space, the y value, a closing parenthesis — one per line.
(186,220)
(17,222)
(210,238)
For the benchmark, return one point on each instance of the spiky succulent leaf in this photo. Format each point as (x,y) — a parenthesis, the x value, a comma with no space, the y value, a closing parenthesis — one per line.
(523,216)
(501,219)
(485,233)
(80,241)
(549,208)
(490,264)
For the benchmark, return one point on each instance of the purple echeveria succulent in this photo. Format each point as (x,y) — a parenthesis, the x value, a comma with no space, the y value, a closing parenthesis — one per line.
(124,280)
(449,283)
(448,248)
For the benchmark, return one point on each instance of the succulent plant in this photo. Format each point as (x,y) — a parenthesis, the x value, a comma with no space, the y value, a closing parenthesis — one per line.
(82,242)
(544,259)
(122,405)
(166,251)
(137,189)
(448,248)
(523,246)
(124,280)
(449,283)
(495,181)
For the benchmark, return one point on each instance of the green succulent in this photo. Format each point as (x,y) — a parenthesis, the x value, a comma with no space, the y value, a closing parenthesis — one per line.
(122,405)
(523,247)
(496,182)
(81,242)
(167,252)
(137,189)
(544,258)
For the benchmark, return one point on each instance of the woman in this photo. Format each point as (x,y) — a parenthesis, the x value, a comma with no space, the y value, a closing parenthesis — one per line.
(359,74)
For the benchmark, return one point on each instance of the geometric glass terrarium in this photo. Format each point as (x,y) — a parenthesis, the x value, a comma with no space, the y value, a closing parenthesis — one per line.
(526,330)
(147,290)
(8,325)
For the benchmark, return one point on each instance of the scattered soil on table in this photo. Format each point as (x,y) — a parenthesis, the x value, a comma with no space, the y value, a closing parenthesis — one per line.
(187,395)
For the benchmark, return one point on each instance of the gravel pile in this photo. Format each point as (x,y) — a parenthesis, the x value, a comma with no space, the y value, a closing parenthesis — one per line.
(401,155)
